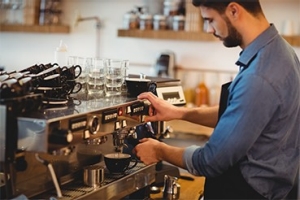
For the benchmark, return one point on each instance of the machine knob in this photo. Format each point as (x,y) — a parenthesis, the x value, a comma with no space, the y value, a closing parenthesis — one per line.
(61,136)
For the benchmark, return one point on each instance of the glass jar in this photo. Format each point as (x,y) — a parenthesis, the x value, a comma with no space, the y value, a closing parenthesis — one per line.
(146,22)
(170,8)
(178,23)
(159,22)
(130,21)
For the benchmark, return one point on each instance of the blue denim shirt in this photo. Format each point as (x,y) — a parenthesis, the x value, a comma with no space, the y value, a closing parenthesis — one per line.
(260,128)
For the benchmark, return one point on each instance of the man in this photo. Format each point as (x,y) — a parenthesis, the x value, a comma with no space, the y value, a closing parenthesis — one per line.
(253,152)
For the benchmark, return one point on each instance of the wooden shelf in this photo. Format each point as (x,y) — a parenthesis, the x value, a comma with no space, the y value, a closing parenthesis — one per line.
(166,34)
(183,35)
(34,28)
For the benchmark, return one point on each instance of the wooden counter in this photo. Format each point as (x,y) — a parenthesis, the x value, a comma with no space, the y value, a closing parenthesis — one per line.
(188,127)
(189,189)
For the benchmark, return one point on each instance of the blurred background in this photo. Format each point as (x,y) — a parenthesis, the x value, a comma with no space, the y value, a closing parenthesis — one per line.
(31,30)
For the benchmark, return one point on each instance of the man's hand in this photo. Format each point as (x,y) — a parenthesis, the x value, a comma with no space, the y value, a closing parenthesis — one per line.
(148,150)
(160,110)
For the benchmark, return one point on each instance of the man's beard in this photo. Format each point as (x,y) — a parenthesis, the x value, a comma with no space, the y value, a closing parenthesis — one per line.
(234,38)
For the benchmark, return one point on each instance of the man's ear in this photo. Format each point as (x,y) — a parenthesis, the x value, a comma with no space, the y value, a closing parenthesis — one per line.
(233,10)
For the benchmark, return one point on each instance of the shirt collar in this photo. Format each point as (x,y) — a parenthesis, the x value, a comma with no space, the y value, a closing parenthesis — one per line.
(248,54)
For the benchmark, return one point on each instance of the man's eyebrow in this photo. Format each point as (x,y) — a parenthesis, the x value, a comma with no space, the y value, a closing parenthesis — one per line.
(206,18)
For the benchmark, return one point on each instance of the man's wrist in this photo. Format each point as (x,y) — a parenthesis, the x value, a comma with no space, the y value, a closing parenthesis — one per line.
(159,150)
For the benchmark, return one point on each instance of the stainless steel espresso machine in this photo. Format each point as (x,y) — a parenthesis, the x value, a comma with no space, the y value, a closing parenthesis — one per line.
(45,146)
(53,145)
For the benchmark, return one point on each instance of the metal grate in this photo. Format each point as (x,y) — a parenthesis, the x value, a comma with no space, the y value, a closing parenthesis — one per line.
(77,188)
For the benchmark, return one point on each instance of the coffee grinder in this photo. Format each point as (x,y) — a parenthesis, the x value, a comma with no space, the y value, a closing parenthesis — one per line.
(165,63)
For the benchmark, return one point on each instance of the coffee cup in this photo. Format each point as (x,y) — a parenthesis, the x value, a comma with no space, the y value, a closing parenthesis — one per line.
(72,72)
(34,69)
(26,83)
(10,88)
(4,77)
(50,71)
(72,87)
(52,92)
(55,80)
(119,162)
(16,75)
(48,65)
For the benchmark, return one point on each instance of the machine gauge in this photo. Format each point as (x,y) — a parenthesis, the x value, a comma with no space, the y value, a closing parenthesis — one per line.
(94,125)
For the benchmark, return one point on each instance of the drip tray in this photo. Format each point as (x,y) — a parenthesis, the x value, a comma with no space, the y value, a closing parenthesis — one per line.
(114,185)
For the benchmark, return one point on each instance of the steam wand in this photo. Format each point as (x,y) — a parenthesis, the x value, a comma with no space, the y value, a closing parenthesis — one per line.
(162,135)
(52,173)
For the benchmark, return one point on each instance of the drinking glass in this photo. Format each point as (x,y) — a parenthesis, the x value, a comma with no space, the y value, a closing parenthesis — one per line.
(125,69)
(96,77)
(114,77)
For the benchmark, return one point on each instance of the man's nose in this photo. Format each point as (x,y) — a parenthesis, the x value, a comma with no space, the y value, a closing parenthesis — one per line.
(207,27)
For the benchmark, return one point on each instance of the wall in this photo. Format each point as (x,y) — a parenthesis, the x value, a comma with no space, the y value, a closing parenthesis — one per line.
(20,50)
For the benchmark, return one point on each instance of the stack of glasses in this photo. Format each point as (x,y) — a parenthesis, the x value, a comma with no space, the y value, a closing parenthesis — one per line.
(101,77)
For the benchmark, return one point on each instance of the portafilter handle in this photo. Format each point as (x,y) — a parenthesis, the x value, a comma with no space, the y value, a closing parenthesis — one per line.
(119,138)
(164,134)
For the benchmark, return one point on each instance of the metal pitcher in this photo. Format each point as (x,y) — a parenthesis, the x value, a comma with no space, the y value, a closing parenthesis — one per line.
(171,188)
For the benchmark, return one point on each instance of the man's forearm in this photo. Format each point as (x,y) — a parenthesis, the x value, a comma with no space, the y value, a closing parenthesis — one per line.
(206,116)
(171,154)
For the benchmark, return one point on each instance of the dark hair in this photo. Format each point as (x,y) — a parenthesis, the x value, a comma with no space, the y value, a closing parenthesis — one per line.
(252,6)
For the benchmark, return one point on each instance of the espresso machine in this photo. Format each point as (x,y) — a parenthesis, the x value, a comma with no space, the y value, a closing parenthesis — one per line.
(47,145)
(52,146)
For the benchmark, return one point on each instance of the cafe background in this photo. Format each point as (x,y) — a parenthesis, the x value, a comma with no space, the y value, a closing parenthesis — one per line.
(202,60)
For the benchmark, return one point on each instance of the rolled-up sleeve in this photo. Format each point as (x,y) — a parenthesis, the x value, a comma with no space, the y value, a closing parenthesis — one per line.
(188,159)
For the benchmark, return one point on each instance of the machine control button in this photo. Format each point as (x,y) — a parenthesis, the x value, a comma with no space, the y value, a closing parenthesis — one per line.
(137,108)
(78,123)
(109,115)
(120,111)
(117,125)
(128,110)
(61,136)
(86,134)
(124,123)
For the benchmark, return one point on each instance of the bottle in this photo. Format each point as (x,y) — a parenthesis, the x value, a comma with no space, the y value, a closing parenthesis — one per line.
(188,90)
(202,94)
(60,55)
(215,91)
